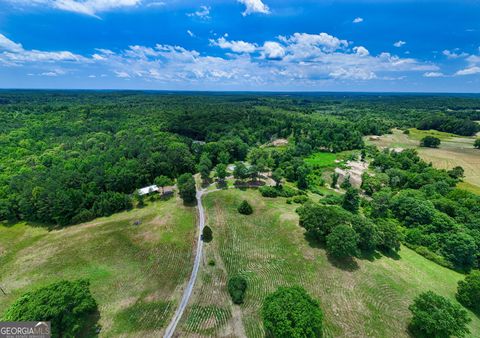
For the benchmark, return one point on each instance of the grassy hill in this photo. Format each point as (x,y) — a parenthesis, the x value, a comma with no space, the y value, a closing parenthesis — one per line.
(364,298)
(136,271)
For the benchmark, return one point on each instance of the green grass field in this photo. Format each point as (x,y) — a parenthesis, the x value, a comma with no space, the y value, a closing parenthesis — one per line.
(453,151)
(136,271)
(361,299)
(321,159)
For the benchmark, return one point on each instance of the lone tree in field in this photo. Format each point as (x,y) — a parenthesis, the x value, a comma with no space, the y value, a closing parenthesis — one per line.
(342,242)
(476,144)
(207,234)
(237,286)
(245,208)
(468,292)
(186,188)
(291,312)
(436,316)
(430,142)
(68,305)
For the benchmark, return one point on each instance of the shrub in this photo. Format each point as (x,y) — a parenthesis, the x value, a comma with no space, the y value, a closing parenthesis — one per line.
(332,200)
(237,286)
(430,142)
(207,234)
(291,312)
(468,292)
(342,241)
(281,191)
(300,199)
(476,144)
(211,262)
(436,316)
(269,192)
(245,208)
(68,305)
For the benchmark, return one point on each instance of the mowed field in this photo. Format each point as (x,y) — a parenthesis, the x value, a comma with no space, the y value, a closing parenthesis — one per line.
(453,151)
(364,298)
(136,271)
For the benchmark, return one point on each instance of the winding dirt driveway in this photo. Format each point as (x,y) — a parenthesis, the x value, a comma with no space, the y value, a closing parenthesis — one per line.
(198,257)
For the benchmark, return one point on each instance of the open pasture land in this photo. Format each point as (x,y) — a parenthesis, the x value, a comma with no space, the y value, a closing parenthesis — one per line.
(366,298)
(453,151)
(136,271)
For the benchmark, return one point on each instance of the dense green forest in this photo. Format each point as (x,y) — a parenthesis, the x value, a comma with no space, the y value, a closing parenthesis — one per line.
(70,156)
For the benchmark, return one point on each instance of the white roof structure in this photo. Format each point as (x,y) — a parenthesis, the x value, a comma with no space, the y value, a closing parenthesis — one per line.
(147,190)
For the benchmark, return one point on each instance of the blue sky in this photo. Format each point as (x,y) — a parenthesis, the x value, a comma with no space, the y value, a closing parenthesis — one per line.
(275,45)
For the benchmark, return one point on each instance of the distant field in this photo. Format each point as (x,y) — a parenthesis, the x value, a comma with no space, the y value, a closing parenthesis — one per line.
(136,271)
(364,299)
(453,151)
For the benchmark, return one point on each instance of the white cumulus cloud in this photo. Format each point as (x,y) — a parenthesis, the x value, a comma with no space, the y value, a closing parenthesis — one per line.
(87,7)
(202,13)
(273,50)
(357,20)
(433,74)
(468,71)
(360,50)
(399,43)
(454,54)
(235,46)
(14,53)
(254,6)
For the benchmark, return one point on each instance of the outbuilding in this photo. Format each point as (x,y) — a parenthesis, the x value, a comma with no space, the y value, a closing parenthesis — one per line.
(148,190)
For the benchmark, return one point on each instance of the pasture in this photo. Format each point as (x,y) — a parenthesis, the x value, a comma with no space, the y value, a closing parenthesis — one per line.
(453,151)
(136,271)
(364,298)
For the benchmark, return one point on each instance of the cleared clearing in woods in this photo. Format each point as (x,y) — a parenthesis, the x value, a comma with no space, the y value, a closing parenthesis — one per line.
(453,151)
(367,298)
(136,271)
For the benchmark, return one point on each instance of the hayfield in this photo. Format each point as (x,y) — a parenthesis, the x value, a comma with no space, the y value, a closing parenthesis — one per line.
(453,151)
(364,298)
(136,271)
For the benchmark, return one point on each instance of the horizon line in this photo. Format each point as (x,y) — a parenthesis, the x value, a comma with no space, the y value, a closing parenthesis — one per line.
(242,91)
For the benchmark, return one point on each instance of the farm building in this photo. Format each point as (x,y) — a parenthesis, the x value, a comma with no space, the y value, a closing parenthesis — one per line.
(148,190)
